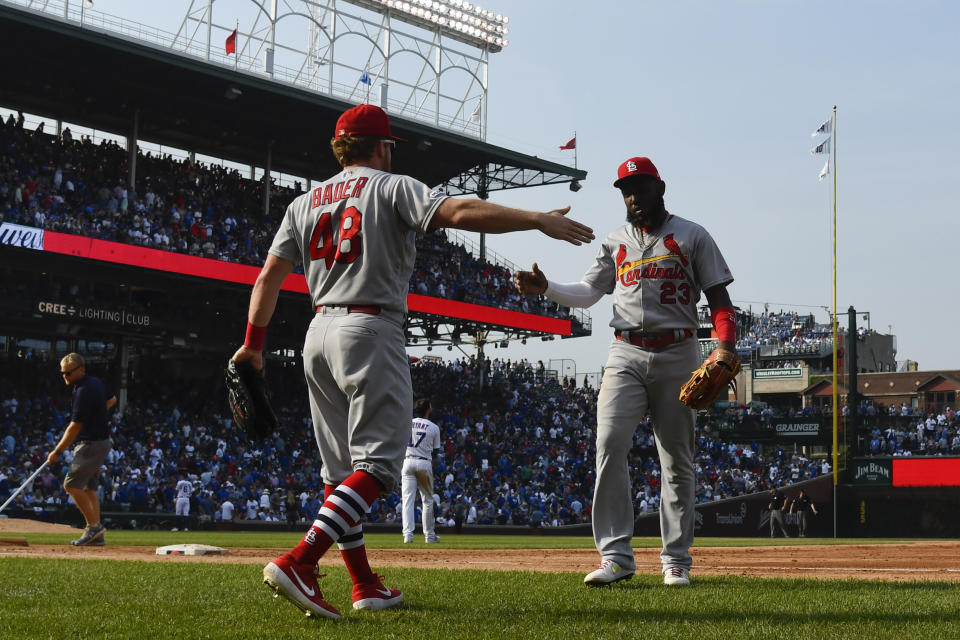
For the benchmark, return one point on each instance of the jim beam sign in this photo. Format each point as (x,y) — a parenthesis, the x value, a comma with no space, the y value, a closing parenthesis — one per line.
(801,430)
(875,472)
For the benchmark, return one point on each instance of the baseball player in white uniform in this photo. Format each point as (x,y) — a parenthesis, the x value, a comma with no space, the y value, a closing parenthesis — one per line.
(417,473)
(184,490)
(354,235)
(655,266)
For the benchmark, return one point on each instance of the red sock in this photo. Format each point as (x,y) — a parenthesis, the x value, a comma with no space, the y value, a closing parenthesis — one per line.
(341,511)
(352,549)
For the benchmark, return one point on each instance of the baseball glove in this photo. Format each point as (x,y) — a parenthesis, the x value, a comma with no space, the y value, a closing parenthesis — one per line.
(717,371)
(247,396)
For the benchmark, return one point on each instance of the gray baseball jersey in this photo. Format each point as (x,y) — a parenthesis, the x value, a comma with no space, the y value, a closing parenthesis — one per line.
(334,227)
(656,278)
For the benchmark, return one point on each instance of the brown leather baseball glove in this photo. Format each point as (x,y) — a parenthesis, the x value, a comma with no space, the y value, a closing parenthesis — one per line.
(717,371)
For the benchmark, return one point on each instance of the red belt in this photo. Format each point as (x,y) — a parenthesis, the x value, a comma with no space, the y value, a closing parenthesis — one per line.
(653,340)
(372,309)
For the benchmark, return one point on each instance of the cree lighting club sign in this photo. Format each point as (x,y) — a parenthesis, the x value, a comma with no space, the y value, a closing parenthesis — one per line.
(119,317)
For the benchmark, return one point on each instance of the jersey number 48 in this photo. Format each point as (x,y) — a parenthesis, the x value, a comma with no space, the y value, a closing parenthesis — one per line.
(344,249)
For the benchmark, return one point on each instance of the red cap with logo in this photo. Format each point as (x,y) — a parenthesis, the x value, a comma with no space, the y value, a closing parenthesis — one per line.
(365,120)
(636,167)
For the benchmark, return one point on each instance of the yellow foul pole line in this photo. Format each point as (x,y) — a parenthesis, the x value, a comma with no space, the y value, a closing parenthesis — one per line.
(836,408)
(835,391)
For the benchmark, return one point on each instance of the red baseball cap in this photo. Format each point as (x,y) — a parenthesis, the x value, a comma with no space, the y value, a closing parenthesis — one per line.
(636,167)
(365,120)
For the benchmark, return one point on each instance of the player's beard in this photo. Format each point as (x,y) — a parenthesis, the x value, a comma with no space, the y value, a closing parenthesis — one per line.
(650,218)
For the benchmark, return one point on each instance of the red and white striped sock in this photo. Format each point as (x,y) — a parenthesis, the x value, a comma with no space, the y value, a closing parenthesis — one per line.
(341,511)
(353,549)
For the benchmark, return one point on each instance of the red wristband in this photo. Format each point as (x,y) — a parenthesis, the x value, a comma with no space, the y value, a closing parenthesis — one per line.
(255,337)
(725,324)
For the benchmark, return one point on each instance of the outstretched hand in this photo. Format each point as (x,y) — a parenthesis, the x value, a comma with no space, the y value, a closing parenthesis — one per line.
(530,282)
(556,225)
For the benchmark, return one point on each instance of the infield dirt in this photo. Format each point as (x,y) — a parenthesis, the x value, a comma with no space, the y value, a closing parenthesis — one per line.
(921,560)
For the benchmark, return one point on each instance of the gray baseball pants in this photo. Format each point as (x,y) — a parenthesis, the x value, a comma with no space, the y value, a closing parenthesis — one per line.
(361,398)
(635,381)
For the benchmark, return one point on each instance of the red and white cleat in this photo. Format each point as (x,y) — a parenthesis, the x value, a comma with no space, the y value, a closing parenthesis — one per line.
(298,584)
(676,576)
(373,595)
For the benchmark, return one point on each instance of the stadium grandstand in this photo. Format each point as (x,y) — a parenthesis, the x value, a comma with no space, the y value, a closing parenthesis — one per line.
(133,225)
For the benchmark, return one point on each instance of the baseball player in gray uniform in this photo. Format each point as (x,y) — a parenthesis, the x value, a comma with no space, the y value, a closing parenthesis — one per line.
(354,234)
(655,266)
(184,490)
(417,473)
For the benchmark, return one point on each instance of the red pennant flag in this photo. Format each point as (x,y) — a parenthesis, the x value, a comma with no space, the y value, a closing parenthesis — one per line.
(570,145)
(232,42)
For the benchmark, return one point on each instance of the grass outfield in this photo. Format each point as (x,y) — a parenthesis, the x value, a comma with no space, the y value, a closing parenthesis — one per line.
(72,599)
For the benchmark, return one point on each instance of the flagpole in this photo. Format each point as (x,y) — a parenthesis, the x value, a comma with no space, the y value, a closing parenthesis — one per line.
(574,150)
(236,51)
(835,391)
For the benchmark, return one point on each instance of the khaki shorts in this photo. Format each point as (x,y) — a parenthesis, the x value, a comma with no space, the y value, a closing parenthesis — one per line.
(88,457)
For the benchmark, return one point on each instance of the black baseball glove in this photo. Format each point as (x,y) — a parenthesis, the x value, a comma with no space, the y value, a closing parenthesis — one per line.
(247,396)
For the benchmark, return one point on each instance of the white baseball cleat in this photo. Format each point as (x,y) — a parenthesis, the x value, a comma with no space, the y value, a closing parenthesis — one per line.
(607,573)
(433,539)
(676,576)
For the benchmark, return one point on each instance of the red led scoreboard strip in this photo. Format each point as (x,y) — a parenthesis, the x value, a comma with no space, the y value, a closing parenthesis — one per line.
(488,315)
(133,255)
(926,472)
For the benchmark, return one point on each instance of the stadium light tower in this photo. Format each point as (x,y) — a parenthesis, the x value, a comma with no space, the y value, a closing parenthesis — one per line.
(421,59)
(457,19)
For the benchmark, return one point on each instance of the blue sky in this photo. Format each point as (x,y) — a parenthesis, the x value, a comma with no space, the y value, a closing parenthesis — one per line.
(723,96)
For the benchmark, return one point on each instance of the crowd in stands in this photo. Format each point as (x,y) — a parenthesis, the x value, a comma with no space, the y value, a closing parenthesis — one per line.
(517,450)
(447,270)
(936,432)
(80,187)
(785,329)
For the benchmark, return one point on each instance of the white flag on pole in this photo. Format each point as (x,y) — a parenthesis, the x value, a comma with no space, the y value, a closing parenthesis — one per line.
(826,127)
(475,116)
(823,147)
(825,171)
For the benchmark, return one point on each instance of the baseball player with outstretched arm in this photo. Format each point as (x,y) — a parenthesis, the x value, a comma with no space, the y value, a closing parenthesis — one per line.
(655,266)
(354,234)
(417,473)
